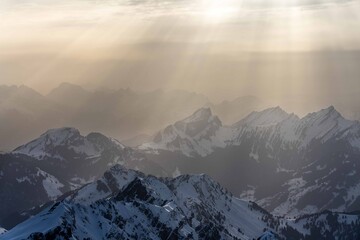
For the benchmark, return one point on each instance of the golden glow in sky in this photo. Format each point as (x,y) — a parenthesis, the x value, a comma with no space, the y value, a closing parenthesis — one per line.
(221,48)
(277,25)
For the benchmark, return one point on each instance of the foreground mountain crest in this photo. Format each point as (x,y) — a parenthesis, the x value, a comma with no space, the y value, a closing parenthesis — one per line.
(126,204)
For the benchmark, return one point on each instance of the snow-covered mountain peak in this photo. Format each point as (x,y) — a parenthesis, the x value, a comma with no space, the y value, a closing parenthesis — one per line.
(199,186)
(198,123)
(326,113)
(110,183)
(285,128)
(52,138)
(194,179)
(61,143)
(192,135)
(200,115)
(104,141)
(60,135)
(325,124)
(202,132)
(267,117)
(125,184)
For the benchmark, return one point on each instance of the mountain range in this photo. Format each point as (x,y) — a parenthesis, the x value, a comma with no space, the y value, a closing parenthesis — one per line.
(281,165)
(308,163)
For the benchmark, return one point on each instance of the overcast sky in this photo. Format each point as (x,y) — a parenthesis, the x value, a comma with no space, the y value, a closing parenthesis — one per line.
(222,48)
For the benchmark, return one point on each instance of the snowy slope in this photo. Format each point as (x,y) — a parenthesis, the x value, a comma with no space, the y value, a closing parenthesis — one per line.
(129,205)
(126,204)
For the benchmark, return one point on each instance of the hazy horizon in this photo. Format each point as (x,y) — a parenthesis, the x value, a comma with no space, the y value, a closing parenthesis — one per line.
(223,49)
(296,104)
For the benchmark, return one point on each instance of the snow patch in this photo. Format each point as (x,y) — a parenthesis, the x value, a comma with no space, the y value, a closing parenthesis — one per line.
(51,184)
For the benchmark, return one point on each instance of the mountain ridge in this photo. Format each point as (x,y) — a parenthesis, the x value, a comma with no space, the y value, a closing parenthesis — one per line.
(165,207)
(326,123)
(302,158)
(127,204)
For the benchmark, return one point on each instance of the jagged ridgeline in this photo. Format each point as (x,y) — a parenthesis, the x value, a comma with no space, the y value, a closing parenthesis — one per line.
(126,204)
(288,165)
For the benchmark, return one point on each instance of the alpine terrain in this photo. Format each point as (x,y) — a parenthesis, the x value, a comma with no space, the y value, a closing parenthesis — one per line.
(59,161)
(287,178)
(126,204)
(306,164)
